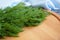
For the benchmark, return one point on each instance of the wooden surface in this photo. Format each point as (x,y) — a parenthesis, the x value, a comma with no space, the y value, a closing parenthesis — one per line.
(47,30)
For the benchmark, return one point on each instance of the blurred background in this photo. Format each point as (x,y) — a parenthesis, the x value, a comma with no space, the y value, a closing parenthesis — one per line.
(53,5)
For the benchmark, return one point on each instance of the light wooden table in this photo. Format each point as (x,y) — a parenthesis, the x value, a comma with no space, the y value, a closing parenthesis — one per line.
(47,30)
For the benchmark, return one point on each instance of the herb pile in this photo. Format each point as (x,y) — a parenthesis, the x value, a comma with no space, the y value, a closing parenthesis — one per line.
(14,19)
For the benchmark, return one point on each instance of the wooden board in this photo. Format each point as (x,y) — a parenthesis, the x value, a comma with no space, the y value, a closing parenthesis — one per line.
(47,30)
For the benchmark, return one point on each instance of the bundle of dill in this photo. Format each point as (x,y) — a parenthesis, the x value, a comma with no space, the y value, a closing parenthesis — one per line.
(13,20)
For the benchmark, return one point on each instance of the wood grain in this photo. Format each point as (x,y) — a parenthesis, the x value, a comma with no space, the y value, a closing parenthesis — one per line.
(47,30)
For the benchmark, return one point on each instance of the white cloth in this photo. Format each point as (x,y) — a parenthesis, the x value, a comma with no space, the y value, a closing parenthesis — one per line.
(48,4)
(6,3)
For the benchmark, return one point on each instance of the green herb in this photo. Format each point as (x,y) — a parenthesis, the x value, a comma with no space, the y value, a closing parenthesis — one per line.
(13,20)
